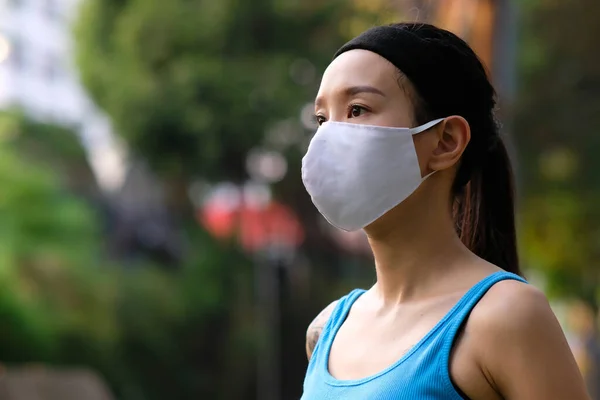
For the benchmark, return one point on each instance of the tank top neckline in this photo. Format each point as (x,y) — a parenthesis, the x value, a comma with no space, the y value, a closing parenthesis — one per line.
(351,299)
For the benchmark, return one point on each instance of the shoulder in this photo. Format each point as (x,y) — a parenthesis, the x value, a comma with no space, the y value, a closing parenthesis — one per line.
(316,327)
(512,313)
(511,307)
(520,346)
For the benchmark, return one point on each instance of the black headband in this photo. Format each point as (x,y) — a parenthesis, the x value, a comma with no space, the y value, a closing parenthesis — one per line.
(422,58)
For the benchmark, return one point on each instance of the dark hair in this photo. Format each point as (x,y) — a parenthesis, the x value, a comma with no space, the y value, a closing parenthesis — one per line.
(448,78)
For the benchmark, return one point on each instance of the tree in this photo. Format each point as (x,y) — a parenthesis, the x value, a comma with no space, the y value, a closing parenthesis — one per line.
(44,228)
(56,147)
(192,85)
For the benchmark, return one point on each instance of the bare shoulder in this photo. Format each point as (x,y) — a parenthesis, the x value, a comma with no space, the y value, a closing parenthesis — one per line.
(513,312)
(316,327)
(512,306)
(520,346)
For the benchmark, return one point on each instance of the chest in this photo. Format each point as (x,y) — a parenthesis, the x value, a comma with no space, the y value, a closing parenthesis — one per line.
(414,350)
(367,344)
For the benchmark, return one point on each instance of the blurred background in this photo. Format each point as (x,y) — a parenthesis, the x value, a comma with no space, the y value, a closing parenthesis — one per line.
(156,241)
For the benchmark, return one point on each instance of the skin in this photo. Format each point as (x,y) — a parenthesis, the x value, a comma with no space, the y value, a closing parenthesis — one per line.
(511,346)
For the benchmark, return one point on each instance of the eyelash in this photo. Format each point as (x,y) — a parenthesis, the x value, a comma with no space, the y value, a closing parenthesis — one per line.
(358,106)
(321,119)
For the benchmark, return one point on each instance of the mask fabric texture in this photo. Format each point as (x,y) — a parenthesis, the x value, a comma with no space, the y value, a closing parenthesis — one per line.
(356,173)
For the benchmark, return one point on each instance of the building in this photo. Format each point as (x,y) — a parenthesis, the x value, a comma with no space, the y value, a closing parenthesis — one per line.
(38,75)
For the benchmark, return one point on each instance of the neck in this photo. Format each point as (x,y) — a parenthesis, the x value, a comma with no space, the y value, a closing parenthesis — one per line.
(414,251)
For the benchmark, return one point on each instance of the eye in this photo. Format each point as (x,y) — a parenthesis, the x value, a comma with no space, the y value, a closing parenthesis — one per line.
(320,119)
(355,111)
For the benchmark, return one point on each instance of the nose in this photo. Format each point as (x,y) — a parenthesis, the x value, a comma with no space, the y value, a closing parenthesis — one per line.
(337,114)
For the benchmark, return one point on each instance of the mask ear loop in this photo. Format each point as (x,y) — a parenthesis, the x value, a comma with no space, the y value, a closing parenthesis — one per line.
(428,125)
(423,128)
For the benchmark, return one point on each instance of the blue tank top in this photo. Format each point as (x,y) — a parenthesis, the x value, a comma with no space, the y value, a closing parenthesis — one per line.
(420,374)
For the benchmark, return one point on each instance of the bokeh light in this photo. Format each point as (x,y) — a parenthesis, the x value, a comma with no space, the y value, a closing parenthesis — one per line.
(4,48)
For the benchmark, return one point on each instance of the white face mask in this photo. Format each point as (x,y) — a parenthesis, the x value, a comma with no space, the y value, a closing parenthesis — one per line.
(356,173)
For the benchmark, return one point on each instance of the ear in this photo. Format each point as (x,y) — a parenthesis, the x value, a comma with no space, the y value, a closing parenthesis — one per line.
(453,135)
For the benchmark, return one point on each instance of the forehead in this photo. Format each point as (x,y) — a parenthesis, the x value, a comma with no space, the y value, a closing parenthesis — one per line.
(359,68)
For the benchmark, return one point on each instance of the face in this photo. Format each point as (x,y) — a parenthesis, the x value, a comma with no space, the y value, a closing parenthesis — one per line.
(362,87)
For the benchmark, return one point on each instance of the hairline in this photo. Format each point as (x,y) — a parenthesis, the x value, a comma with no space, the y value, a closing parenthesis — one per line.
(420,113)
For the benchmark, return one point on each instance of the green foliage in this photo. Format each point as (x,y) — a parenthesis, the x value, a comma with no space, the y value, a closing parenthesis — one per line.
(38,216)
(151,333)
(51,146)
(44,230)
(185,82)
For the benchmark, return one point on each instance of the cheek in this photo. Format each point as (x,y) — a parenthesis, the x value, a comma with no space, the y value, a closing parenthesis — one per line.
(393,114)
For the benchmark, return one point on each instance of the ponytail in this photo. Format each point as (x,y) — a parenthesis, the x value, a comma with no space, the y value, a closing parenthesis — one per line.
(484,209)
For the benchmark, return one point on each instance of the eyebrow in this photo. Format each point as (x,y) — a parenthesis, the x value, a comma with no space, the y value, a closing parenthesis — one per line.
(353,91)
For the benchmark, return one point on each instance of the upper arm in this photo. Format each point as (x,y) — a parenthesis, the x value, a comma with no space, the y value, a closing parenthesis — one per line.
(522,349)
(316,327)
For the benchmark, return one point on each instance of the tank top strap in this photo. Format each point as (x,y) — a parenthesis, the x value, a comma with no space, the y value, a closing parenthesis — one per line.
(341,310)
(465,305)
(335,320)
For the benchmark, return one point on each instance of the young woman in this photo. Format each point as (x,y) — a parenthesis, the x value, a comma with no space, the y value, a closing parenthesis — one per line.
(408,149)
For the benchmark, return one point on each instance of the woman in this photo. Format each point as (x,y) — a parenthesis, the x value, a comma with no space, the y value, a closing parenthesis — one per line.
(449,316)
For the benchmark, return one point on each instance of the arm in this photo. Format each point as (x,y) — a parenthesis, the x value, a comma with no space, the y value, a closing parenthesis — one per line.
(316,327)
(522,350)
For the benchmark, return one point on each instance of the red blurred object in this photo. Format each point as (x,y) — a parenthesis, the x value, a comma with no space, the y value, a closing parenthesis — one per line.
(258,228)
(276,224)
(218,220)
